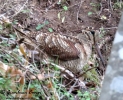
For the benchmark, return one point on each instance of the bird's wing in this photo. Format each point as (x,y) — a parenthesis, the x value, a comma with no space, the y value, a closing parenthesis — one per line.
(57,45)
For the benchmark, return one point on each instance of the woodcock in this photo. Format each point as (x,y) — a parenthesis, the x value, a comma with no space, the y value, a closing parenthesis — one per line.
(72,52)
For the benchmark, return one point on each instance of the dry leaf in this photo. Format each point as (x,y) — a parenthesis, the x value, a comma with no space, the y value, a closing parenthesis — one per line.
(29,93)
(13,72)
(15,75)
(22,80)
(40,77)
(3,68)
(22,50)
(49,85)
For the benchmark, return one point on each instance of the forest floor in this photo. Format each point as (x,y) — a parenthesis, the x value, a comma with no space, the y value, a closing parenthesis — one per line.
(64,17)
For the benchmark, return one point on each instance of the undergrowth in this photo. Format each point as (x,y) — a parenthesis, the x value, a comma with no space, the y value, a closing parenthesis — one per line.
(16,71)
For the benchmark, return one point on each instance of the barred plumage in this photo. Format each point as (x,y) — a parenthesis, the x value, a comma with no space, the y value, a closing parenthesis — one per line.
(72,52)
(58,46)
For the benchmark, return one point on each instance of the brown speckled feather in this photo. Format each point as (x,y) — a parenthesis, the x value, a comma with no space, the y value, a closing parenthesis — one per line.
(73,51)
(59,46)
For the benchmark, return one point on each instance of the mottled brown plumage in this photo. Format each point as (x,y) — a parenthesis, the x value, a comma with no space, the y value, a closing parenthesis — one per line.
(72,52)
(58,46)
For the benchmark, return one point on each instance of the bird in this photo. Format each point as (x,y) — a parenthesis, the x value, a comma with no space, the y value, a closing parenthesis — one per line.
(72,51)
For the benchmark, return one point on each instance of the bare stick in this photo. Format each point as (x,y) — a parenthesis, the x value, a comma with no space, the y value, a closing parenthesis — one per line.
(86,71)
(20,9)
(79,9)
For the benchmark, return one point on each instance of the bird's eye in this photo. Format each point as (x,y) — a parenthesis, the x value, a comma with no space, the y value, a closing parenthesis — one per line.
(92,32)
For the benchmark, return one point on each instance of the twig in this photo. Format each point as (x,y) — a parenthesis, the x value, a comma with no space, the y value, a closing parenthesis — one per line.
(100,9)
(70,82)
(52,5)
(110,5)
(70,90)
(79,9)
(72,87)
(98,51)
(110,28)
(86,71)
(61,68)
(20,8)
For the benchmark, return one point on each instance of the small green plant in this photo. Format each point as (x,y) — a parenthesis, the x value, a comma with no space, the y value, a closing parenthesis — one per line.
(90,13)
(84,96)
(87,95)
(50,29)
(1,27)
(39,26)
(118,5)
(95,6)
(5,84)
(15,22)
(25,11)
(65,8)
